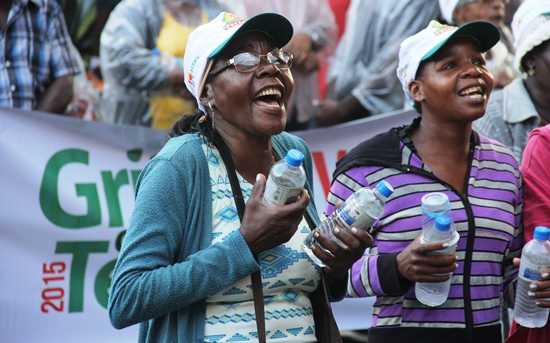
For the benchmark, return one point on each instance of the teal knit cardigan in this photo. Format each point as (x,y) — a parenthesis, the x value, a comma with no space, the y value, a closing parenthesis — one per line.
(167,265)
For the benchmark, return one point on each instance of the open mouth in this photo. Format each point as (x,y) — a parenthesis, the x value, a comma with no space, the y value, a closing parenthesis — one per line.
(270,97)
(472,92)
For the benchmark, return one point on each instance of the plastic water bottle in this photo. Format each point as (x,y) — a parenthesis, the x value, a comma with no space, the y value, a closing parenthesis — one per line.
(286,180)
(535,258)
(360,210)
(441,229)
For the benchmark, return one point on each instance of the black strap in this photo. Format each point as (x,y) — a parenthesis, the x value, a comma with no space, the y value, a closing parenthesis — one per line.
(239,201)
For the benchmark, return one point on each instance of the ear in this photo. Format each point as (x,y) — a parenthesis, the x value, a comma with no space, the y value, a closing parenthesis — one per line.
(416,90)
(207,95)
(528,61)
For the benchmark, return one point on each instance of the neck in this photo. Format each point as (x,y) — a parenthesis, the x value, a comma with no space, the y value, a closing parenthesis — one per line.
(540,97)
(250,155)
(434,141)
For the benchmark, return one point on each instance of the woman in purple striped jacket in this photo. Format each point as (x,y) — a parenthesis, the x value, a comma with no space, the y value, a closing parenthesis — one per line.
(444,76)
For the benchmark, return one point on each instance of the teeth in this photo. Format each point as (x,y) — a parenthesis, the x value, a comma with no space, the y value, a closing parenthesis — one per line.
(269,91)
(471,90)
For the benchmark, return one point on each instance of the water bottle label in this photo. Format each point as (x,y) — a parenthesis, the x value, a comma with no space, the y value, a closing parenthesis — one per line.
(277,195)
(530,271)
(352,215)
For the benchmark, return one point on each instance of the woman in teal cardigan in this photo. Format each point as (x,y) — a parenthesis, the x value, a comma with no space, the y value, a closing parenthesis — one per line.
(184,270)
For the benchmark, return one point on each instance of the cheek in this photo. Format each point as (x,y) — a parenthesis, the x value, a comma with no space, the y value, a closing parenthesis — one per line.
(489,80)
(288,82)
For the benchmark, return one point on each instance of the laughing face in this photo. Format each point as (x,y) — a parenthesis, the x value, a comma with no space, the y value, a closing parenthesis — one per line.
(252,102)
(454,84)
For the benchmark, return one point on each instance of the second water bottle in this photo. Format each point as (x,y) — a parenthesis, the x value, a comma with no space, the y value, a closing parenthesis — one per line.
(360,210)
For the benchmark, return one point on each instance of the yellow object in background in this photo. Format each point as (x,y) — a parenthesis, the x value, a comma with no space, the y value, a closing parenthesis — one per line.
(166,107)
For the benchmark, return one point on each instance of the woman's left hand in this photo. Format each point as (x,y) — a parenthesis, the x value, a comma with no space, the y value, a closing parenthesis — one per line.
(341,260)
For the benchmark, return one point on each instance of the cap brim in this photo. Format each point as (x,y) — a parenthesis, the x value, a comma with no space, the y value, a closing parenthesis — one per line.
(486,34)
(273,24)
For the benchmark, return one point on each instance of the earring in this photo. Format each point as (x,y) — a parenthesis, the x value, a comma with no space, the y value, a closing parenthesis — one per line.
(212,115)
(531,71)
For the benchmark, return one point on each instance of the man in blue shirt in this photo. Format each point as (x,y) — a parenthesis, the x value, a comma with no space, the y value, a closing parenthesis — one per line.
(36,61)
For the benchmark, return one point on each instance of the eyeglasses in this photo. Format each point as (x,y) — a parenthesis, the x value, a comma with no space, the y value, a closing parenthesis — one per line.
(248,62)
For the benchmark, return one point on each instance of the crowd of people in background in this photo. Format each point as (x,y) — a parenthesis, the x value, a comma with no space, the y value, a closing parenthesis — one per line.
(122,62)
(126,57)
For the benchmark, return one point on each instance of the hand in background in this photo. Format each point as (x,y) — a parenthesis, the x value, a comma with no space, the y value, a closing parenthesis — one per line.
(300,46)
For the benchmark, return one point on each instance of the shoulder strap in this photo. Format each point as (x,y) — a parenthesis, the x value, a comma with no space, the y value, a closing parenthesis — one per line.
(239,201)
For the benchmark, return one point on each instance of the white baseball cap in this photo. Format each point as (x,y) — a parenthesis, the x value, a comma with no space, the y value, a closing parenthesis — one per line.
(206,41)
(421,46)
(530,27)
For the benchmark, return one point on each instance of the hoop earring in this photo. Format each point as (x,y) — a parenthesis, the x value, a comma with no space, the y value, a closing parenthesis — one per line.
(531,71)
(212,115)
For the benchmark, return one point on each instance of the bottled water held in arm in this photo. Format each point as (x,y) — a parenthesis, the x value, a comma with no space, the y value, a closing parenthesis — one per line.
(286,180)
(535,258)
(441,229)
(360,210)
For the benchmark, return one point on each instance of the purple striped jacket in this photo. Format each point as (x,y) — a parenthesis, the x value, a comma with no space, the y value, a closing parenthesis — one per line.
(487,217)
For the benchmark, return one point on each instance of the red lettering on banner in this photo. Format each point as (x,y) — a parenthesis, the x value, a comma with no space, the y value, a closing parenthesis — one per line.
(321,166)
(53,296)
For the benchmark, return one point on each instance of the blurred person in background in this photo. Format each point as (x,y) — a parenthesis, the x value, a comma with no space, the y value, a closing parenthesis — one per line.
(361,77)
(137,67)
(314,37)
(38,63)
(536,212)
(525,103)
(500,58)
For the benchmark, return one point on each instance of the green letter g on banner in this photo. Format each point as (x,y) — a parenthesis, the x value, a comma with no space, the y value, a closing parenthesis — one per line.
(49,193)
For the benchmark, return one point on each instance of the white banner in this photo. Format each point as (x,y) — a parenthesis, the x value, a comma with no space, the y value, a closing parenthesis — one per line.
(66,195)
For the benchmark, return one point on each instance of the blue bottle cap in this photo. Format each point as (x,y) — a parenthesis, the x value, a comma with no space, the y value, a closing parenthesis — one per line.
(542,233)
(385,188)
(294,157)
(442,223)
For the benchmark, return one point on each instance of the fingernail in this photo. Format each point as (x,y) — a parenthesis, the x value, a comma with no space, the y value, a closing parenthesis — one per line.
(445,245)
(313,247)
(315,233)
(456,265)
(336,230)
(545,275)
(258,177)
(314,102)
(533,286)
(531,294)
(354,230)
(538,304)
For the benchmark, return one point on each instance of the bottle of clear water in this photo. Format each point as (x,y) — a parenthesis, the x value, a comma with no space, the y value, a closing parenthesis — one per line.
(360,210)
(286,180)
(441,229)
(535,258)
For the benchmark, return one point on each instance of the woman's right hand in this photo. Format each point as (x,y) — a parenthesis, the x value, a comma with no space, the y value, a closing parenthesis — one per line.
(265,227)
(415,264)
